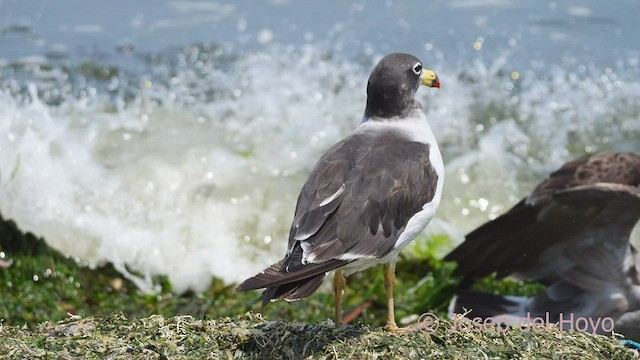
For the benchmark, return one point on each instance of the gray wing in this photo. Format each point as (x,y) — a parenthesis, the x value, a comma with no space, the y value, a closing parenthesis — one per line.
(590,240)
(360,197)
(589,267)
(357,201)
(572,226)
(572,233)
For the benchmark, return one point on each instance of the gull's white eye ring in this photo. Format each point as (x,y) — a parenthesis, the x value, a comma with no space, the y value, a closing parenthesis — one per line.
(417,68)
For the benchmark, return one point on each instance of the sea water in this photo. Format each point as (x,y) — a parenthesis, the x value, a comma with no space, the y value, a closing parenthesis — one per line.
(172,137)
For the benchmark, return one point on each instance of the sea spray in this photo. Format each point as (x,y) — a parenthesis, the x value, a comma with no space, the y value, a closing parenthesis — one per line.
(191,168)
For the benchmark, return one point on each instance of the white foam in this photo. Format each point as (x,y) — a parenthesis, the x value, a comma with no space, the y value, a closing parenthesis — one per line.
(164,189)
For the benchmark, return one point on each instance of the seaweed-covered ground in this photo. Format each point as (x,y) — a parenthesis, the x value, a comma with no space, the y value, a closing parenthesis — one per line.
(54,307)
(251,337)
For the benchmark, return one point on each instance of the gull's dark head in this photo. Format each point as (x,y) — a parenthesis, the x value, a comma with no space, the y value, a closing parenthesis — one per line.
(392,86)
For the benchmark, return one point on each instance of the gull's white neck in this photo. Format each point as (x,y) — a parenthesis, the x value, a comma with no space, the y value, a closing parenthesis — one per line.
(414,127)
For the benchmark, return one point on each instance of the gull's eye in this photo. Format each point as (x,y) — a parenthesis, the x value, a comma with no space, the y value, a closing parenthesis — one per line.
(417,68)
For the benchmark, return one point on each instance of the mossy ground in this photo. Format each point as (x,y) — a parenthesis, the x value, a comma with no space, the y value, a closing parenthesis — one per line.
(54,308)
(252,337)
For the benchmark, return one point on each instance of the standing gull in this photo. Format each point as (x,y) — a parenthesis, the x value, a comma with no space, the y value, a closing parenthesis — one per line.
(368,196)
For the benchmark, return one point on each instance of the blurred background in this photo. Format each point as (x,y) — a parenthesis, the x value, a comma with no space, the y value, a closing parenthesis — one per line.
(172,137)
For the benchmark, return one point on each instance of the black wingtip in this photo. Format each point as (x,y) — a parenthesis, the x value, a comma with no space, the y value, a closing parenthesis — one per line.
(266,278)
(267,295)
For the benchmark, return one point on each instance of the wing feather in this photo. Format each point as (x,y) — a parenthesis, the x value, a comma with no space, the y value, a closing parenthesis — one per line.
(563,232)
(357,201)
